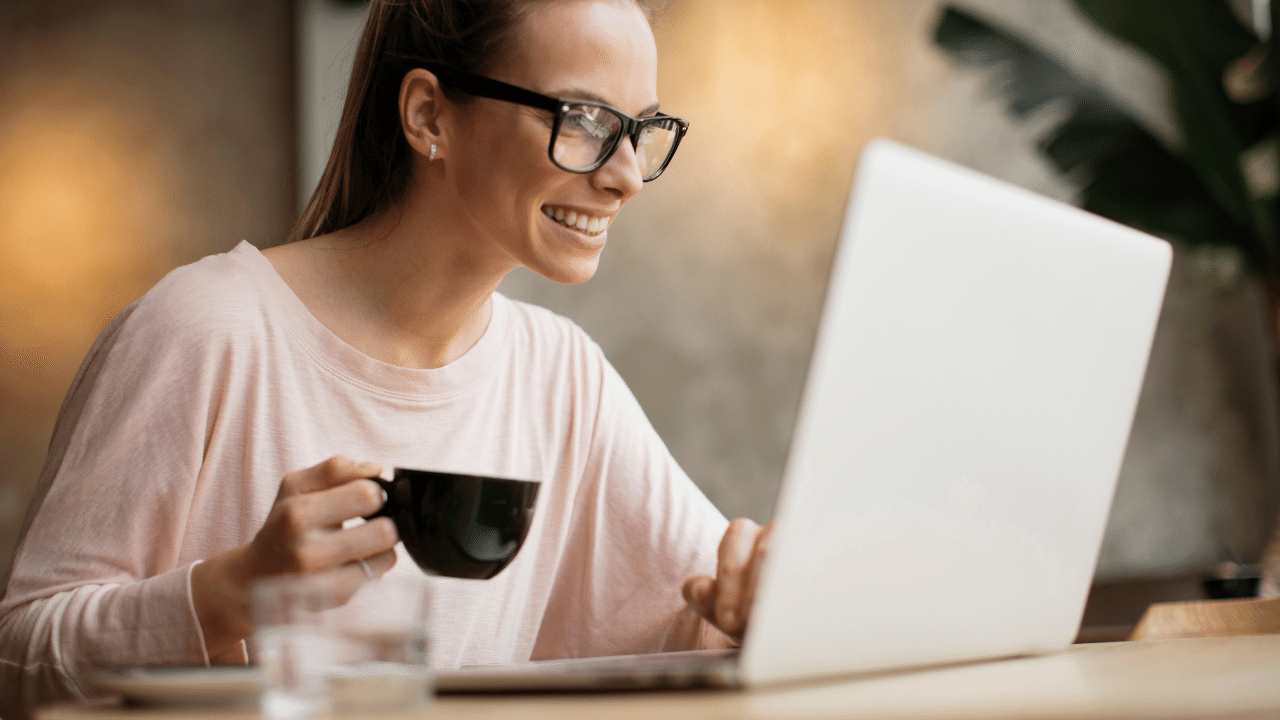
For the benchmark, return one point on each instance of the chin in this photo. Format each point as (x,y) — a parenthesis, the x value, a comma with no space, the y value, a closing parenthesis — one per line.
(574,276)
(568,272)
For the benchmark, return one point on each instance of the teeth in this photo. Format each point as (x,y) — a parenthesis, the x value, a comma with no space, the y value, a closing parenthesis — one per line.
(583,223)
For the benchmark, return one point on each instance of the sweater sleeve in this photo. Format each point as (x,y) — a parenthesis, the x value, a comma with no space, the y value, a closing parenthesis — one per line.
(96,579)
(640,527)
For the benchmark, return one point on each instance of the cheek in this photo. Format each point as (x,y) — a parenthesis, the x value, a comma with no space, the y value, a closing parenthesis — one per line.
(501,163)
(513,192)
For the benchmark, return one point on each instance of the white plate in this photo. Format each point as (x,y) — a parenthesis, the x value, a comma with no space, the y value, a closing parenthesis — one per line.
(179,686)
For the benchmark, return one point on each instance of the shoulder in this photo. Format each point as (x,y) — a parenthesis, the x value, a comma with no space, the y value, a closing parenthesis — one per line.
(173,343)
(226,289)
(538,331)
(209,303)
(555,352)
(554,357)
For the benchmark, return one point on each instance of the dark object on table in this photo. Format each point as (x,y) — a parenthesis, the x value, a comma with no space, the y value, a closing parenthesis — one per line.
(1229,588)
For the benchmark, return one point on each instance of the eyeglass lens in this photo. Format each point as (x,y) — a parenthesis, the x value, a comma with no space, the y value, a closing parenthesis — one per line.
(589,132)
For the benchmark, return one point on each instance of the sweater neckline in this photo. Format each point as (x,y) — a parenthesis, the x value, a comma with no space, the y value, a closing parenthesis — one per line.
(367,372)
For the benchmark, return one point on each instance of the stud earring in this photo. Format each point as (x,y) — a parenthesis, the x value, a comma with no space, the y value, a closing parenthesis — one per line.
(433,154)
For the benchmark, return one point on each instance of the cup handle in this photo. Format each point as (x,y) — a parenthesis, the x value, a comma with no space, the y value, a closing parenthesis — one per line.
(388,508)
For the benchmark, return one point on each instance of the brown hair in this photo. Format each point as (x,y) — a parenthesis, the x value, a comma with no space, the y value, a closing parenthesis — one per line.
(368,168)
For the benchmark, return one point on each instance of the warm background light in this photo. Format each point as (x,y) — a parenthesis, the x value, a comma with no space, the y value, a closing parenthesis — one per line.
(78,216)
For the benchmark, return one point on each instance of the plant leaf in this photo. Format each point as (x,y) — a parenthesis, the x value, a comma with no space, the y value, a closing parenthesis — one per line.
(1134,179)
(1127,174)
(1195,41)
(1029,78)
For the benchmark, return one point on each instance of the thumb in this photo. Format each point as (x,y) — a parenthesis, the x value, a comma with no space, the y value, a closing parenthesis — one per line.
(699,592)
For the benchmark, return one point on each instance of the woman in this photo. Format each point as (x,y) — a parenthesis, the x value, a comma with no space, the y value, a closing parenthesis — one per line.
(378,335)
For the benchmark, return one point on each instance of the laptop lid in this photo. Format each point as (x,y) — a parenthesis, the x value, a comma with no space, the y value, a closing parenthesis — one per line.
(963,421)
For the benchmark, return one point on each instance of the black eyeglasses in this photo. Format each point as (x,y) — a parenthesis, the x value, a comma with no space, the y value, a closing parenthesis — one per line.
(584,134)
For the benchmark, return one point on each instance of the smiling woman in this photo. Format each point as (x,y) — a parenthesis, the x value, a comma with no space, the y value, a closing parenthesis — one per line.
(477,137)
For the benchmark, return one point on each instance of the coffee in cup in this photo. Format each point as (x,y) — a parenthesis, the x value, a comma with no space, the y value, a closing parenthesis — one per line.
(456,525)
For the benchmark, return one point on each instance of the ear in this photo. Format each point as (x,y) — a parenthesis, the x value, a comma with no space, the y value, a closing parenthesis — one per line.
(422,104)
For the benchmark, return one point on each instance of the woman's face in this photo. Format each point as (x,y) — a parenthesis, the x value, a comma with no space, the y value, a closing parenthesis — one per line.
(509,189)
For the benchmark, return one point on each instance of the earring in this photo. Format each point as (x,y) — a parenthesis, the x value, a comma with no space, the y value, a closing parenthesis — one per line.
(433,154)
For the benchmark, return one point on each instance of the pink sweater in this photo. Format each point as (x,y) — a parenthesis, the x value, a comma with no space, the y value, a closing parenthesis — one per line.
(198,398)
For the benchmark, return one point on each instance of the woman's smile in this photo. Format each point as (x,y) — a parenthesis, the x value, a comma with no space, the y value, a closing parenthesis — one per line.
(585,222)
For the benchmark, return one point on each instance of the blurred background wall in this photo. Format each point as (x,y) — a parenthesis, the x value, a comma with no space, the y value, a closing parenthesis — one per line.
(138,135)
(135,136)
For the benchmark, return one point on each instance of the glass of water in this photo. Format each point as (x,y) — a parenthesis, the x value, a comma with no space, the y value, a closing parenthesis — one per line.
(379,653)
(291,645)
(327,646)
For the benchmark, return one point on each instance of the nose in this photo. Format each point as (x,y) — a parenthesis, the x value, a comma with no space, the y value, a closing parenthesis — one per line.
(621,174)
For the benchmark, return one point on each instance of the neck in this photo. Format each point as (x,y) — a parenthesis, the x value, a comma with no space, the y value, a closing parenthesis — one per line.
(402,287)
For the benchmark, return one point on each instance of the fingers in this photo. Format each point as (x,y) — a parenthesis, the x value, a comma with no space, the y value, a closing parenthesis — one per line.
(341,583)
(699,593)
(381,563)
(350,577)
(319,551)
(726,601)
(759,554)
(335,549)
(735,559)
(303,532)
(335,471)
(330,508)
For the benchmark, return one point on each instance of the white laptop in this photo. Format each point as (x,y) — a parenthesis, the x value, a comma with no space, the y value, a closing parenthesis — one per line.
(966,410)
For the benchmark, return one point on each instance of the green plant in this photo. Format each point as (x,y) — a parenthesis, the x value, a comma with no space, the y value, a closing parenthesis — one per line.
(1225,99)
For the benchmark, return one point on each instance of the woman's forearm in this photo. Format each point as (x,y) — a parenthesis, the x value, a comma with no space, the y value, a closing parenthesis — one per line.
(50,643)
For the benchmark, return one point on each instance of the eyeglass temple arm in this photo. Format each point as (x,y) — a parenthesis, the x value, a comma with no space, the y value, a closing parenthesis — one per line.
(481,86)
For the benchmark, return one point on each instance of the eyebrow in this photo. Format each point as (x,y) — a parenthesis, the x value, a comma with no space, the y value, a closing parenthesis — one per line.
(577,94)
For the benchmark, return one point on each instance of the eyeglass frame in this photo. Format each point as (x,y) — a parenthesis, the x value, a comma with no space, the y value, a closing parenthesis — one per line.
(481,86)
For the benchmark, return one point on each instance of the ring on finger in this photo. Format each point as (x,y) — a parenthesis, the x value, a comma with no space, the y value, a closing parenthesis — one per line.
(365,566)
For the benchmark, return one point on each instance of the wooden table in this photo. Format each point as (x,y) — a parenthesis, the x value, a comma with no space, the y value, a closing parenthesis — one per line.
(1233,677)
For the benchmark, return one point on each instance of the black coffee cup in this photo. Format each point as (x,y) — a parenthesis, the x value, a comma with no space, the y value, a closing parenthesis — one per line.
(463,526)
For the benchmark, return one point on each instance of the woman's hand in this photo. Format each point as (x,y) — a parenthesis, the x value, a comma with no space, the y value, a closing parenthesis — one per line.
(302,534)
(726,600)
